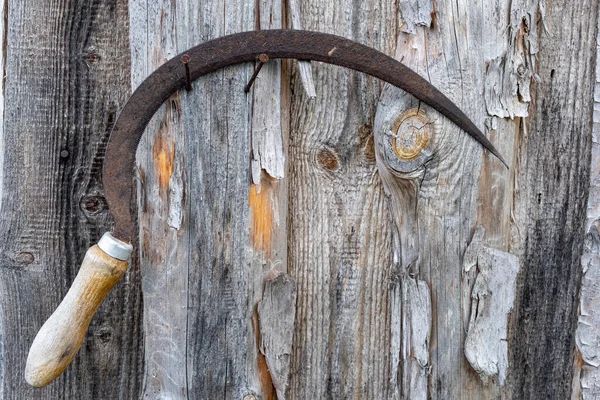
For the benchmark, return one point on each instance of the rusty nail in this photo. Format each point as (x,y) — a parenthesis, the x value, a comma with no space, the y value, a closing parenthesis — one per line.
(185,59)
(262,59)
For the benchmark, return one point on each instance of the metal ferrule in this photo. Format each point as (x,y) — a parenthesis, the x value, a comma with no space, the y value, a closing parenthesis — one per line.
(114,247)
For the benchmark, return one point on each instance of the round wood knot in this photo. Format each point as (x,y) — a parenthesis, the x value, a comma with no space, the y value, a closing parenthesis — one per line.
(92,204)
(412,131)
(24,258)
(92,55)
(105,335)
(328,159)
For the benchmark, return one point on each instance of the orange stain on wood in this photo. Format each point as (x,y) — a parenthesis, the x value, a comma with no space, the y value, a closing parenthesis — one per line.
(261,217)
(163,153)
(264,375)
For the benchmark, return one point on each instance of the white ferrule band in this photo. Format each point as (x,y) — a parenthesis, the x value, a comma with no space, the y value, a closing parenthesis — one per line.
(115,247)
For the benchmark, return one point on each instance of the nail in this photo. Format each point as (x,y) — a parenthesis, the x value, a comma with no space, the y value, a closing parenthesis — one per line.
(185,59)
(262,59)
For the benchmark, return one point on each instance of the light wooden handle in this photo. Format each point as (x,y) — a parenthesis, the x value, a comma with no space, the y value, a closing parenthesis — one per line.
(60,337)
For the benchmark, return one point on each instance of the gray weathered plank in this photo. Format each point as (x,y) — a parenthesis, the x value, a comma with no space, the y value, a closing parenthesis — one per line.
(444,189)
(163,213)
(403,143)
(552,177)
(205,250)
(267,247)
(339,231)
(586,376)
(66,76)
(267,140)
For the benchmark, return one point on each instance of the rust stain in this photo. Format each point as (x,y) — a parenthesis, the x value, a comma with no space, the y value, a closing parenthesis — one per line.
(577,367)
(261,216)
(264,375)
(163,153)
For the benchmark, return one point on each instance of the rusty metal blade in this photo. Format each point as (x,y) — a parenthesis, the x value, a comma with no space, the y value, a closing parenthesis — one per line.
(207,57)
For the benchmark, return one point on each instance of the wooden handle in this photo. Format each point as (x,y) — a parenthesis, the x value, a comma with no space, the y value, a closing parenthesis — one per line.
(60,337)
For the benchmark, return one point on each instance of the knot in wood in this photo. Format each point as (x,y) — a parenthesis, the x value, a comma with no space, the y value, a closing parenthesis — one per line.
(411,134)
(328,159)
(25,258)
(93,204)
(92,55)
(105,334)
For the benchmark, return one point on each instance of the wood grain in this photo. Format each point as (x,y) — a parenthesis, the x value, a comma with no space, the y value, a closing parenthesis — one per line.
(267,201)
(552,177)
(432,241)
(209,238)
(586,369)
(66,70)
(339,231)
(203,277)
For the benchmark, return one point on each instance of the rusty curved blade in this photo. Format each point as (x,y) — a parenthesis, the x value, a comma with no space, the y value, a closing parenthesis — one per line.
(207,57)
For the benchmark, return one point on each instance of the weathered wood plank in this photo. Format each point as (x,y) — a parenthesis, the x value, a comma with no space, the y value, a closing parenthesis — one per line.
(402,146)
(339,231)
(268,205)
(442,199)
(66,70)
(441,41)
(552,180)
(206,259)
(267,140)
(586,376)
(3,39)
(163,213)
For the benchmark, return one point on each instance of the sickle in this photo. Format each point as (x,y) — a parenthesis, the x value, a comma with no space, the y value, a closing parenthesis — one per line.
(60,337)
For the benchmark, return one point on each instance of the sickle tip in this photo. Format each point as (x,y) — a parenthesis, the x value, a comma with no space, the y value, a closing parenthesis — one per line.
(476,134)
(496,153)
(503,161)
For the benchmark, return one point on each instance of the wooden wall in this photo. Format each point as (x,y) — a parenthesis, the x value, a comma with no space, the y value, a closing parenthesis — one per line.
(287,248)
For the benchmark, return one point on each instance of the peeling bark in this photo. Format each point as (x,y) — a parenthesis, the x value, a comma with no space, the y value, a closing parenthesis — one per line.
(266,136)
(415,13)
(276,313)
(588,340)
(493,300)
(512,62)
(416,330)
